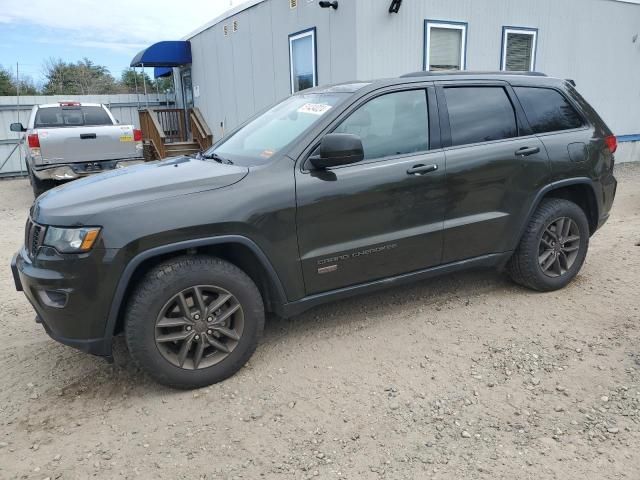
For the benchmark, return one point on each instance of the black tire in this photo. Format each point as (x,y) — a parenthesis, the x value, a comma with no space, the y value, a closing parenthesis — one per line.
(524,266)
(39,186)
(150,298)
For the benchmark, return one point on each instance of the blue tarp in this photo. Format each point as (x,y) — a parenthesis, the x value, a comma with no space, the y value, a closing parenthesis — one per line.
(162,72)
(164,54)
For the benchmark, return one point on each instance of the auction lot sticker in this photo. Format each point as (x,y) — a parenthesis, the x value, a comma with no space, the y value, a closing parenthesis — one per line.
(314,108)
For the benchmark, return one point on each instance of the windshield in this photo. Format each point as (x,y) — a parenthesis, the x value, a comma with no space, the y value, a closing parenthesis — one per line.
(75,116)
(270,132)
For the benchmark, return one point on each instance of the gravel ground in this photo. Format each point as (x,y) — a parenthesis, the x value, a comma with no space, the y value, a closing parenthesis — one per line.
(467,376)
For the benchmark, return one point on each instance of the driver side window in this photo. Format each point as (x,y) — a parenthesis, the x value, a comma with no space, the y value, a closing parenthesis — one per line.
(391,124)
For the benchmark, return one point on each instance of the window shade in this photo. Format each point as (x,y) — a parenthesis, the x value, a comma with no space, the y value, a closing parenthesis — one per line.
(445,45)
(519,51)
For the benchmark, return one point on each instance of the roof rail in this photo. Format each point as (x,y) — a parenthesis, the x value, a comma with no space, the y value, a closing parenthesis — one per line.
(468,72)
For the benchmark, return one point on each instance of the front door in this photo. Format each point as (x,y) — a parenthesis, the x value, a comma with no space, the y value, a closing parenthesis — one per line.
(382,216)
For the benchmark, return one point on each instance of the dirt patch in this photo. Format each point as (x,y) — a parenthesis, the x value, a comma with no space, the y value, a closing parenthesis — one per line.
(466,376)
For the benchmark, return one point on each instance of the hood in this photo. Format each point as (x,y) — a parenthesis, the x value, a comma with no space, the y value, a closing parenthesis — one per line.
(72,203)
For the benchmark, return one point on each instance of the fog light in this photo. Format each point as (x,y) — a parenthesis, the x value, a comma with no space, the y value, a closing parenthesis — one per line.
(53,298)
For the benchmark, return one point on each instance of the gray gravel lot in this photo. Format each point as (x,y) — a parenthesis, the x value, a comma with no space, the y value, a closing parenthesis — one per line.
(467,376)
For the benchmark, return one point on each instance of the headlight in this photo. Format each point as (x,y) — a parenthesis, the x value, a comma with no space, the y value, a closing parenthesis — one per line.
(71,240)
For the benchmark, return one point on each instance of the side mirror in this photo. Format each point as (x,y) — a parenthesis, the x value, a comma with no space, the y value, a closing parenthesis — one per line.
(338,149)
(17,127)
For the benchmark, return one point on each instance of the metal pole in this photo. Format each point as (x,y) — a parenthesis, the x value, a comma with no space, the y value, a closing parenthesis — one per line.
(135,81)
(18,105)
(144,82)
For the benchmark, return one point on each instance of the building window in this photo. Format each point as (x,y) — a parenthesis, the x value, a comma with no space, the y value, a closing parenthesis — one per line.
(302,58)
(445,45)
(518,49)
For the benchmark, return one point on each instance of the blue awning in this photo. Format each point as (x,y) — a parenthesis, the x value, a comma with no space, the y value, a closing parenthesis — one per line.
(162,72)
(164,54)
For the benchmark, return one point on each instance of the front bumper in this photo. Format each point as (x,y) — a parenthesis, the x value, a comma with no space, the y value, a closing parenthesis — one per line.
(70,294)
(72,171)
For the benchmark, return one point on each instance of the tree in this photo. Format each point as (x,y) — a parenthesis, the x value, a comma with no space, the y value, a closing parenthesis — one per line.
(80,78)
(9,85)
(129,78)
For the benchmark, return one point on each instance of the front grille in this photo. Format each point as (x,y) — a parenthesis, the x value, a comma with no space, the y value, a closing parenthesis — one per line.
(33,237)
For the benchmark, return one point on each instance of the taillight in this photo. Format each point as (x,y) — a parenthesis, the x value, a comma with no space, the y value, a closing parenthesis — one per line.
(34,141)
(137,135)
(612,143)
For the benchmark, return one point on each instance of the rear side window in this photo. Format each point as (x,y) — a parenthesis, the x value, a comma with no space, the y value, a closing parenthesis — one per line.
(391,124)
(480,114)
(71,117)
(547,110)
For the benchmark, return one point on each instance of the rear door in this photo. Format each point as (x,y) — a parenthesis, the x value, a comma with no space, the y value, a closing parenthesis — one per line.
(82,134)
(494,167)
(382,216)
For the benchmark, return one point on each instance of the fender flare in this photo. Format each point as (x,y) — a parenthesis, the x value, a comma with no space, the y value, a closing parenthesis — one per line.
(136,261)
(548,188)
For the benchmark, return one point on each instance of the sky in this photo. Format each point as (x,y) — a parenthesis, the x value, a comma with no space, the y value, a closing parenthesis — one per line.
(108,32)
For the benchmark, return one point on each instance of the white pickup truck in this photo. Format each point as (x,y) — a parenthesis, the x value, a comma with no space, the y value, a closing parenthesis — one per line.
(68,140)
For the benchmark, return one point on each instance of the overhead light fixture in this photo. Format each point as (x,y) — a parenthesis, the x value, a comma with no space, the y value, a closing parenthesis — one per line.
(333,4)
(395,6)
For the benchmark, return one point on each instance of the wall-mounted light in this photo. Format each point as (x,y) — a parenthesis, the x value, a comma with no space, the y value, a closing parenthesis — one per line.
(333,4)
(395,6)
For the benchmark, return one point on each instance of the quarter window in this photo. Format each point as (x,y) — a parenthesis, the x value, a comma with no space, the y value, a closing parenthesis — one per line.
(547,110)
(302,57)
(518,49)
(391,124)
(445,46)
(480,114)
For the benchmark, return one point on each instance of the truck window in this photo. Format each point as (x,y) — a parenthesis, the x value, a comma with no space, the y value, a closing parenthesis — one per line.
(480,114)
(391,124)
(547,110)
(71,117)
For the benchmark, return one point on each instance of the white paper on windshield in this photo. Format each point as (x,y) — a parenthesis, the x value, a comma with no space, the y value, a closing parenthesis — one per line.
(314,108)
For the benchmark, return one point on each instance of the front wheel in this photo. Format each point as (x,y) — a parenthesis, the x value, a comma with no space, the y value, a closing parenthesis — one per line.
(193,321)
(553,247)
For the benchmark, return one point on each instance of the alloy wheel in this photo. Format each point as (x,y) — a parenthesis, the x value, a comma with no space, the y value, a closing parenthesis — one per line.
(199,327)
(559,247)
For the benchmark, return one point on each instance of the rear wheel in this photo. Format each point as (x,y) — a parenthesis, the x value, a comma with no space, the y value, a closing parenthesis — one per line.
(553,247)
(193,321)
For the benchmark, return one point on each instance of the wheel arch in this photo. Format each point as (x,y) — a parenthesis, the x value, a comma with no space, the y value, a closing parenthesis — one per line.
(579,190)
(239,250)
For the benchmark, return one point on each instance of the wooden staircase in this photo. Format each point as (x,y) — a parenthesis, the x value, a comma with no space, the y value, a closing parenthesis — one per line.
(177,149)
(165,133)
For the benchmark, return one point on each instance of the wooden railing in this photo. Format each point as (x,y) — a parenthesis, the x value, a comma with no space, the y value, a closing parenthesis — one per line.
(171,121)
(153,132)
(199,129)
(162,127)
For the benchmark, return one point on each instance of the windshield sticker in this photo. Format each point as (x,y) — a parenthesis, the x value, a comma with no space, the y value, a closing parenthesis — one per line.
(314,108)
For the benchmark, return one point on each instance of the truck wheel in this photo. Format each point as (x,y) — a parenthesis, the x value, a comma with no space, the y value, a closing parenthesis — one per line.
(39,186)
(193,321)
(553,247)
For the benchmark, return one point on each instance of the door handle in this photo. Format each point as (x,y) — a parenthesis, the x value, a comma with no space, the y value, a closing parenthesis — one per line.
(421,169)
(85,136)
(525,151)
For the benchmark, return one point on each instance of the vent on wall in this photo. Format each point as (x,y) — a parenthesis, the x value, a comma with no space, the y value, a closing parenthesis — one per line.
(235,25)
(293,3)
(225,30)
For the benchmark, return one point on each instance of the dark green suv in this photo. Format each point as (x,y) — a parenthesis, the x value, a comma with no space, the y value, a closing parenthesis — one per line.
(334,191)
